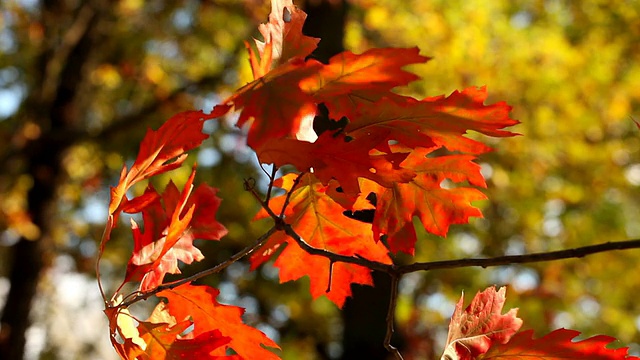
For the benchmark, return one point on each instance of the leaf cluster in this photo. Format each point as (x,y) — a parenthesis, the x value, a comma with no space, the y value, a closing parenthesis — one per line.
(357,148)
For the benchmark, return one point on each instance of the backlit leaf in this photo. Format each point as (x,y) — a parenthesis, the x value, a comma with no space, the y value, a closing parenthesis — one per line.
(320,222)
(199,304)
(557,345)
(480,325)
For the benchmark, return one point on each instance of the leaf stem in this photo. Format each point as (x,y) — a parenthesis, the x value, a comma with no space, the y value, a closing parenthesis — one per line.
(272,178)
(391,314)
(262,203)
(288,198)
(106,234)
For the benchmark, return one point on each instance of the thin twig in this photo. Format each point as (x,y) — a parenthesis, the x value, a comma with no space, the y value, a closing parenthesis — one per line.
(106,234)
(521,259)
(262,203)
(288,198)
(331,263)
(391,315)
(261,165)
(272,178)
(216,269)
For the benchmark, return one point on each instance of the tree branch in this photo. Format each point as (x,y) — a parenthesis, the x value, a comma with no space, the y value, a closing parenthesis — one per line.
(56,62)
(356,260)
(296,182)
(216,269)
(521,259)
(280,224)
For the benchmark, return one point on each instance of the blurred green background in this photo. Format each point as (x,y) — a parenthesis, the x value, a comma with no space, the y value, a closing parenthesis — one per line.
(80,82)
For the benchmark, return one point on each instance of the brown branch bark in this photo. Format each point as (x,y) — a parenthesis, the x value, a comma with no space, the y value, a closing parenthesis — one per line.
(578,252)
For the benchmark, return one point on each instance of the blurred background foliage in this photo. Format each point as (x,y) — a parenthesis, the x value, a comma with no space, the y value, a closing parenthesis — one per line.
(81,81)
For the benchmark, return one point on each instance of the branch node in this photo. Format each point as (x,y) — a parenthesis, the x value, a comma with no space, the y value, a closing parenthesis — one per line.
(249,184)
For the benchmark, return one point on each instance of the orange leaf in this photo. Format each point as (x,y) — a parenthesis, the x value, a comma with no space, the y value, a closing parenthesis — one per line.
(334,156)
(436,121)
(371,75)
(284,33)
(473,330)
(122,324)
(199,303)
(171,225)
(163,342)
(160,337)
(320,222)
(274,104)
(172,140)
(557,345)
(424,197)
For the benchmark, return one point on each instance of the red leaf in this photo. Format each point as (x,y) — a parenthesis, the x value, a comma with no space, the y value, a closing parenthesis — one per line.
(122,324)
(424,197)
(199,303)
(278,101)
(319,221)
(474,330)
(274,104)
(163,342)
(172,140)
(203,225)
(337,157)
(161,337)
(171,225)
(284,33)
(369,75)
(436,121)
(557,345)
(139,203)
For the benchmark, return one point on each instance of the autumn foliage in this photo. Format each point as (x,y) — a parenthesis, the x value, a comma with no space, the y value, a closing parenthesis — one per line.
(357,147)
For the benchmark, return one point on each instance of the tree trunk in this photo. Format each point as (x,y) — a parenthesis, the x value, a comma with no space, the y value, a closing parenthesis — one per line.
(55,113)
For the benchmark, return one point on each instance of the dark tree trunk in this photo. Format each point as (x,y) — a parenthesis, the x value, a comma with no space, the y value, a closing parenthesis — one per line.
(55,113)
(364,315)
(326,20)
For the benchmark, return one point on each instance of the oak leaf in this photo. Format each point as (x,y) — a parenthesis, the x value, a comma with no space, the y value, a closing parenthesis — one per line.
(480,325)
(435,122)
(199,304)
(284,33)
(163,342)
(171,222)
(557,345)
(351,77)
(320,222)
(274,104)
(335,156)
(278,100)
(160,337)
(171,141)
(124,335)
(425,197)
